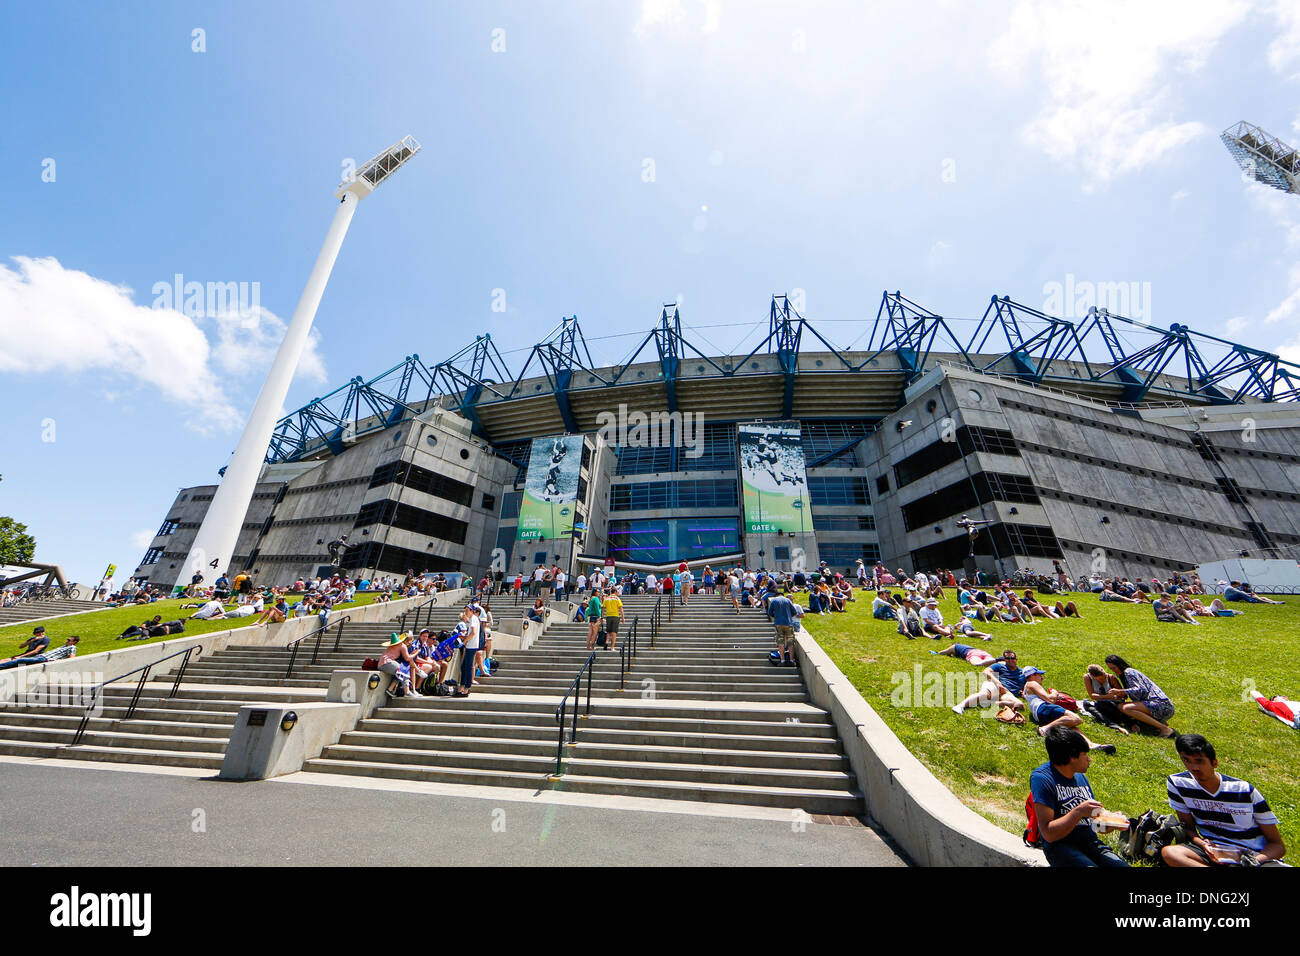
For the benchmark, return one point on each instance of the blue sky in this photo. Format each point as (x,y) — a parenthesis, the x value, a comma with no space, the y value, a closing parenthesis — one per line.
(950,151)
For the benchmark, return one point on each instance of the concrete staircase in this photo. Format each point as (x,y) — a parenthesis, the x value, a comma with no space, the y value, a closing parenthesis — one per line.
(191,729)
(718,723)
(702,716)
(39,610)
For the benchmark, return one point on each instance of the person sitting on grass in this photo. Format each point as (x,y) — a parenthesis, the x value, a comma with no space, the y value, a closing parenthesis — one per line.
(1147,702)
(909,621)
(1037,608)
(1108,594)
(1105,695)
(1236,591)
(882,609)
(36,644)
(1064,802)
(1218,811)
(69,649)
(832,598)
(1046,711)
(932,621)
(971,605)
(1004,682)
(963,627)
(971,655)
(1168,612)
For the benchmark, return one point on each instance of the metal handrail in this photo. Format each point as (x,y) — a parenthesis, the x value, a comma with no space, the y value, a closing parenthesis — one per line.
(431,603)
(318,633)
(139,687)
(656,619)
(627,653)
(588,667)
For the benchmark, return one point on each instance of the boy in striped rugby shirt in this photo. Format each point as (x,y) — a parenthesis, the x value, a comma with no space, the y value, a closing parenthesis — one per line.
(1219,811)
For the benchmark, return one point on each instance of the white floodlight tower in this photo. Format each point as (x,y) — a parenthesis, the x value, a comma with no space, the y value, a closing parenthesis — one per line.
(214,546)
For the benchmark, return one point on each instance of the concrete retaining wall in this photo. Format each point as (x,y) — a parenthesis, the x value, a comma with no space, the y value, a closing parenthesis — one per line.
(933,827)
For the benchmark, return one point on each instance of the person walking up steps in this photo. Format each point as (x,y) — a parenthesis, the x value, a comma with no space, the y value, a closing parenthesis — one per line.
(595,610)
(785,618)
(613,616)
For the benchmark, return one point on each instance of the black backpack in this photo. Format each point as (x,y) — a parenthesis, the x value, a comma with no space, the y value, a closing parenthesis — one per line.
(1148,834)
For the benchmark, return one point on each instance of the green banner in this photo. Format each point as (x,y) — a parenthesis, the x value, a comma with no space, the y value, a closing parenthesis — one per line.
(546,510)
(774,480)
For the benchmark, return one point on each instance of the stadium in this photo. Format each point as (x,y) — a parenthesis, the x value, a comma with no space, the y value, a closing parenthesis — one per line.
(1107,444)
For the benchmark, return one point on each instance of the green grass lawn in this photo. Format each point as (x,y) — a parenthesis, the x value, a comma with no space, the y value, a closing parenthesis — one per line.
(98,630)
(1203,670)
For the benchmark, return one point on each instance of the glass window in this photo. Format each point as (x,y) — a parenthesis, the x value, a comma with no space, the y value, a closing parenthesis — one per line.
(661,540)
(842,555)
(822,438)
(716,449)
(647,495)
(838,490)
(844,522)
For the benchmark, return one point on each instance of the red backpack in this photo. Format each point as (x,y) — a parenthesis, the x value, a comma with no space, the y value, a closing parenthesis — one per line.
(1031,836)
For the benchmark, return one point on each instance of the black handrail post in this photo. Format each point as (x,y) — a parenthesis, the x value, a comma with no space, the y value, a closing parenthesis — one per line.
(292,657)
(590,671)
(559,747)
(338,638)
(139,689)
(180,672)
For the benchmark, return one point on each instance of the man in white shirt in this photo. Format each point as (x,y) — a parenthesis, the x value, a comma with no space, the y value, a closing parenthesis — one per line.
(473,644)
(932,620)
(560,579)
(582,583)
(651,582)
(922,584)
(211,611)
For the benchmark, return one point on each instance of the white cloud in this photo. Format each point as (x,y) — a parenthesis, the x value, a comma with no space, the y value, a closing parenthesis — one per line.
(1179,196)
(1110,68)
(142,539)
(1284,51)
(1237,323)
(63,322)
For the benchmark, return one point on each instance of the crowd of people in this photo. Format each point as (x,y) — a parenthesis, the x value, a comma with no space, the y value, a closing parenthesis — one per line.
(1221,817)
(420,664)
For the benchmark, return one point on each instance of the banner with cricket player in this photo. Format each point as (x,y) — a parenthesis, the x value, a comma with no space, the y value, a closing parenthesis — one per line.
(774,480)
(546,510)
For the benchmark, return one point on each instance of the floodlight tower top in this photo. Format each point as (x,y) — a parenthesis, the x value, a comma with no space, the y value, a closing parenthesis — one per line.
(374,171)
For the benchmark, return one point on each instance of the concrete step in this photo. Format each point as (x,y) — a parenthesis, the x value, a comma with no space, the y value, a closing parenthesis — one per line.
(113,738)
(777,715)
(70,721)
(137,755)
(545,729)
(708,753)
(575,762)
(809,800)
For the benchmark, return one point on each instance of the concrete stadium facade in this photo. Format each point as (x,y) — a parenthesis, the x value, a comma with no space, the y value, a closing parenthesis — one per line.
(899,444)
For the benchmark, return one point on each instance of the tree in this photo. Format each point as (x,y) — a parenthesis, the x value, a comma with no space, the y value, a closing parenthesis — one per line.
(16,545)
